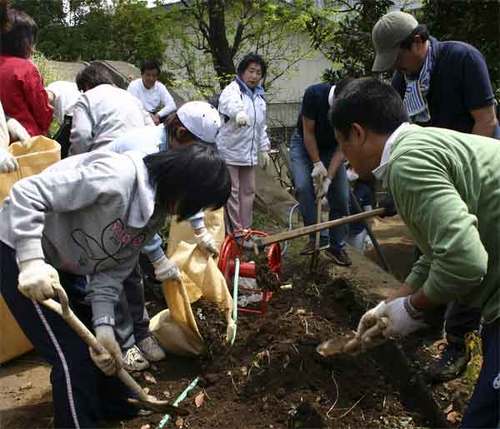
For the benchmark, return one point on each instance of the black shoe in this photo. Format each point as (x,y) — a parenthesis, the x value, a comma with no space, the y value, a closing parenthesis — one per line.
(451,364)
(339,256)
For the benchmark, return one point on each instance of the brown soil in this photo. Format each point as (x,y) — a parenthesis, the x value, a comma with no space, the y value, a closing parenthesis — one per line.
(212,326)
(274,378)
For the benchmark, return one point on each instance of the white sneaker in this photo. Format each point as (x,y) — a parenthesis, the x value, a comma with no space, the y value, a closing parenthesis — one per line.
(151,349)
(134,360)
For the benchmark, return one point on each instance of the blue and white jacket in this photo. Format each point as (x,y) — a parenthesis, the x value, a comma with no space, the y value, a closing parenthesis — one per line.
(241,145)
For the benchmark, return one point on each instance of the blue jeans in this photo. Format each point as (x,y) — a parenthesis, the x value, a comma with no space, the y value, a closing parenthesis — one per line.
(484,406)
(338,194)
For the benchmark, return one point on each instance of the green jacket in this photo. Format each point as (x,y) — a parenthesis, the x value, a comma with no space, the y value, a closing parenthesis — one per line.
(446,186)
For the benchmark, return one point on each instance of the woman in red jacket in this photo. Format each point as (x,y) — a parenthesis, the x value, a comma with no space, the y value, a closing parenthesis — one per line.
(21,87)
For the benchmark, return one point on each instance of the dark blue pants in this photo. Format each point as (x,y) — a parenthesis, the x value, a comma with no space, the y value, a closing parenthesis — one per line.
(81,393)
(337,196)
(484,406)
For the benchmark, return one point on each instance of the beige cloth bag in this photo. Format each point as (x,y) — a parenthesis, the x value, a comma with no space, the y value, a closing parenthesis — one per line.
(32,157)
(176,328)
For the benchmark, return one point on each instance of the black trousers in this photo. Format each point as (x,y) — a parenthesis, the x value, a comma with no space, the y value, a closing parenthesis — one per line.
(82,394)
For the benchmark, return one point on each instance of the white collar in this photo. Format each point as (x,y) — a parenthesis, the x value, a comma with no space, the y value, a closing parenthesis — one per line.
(380,171)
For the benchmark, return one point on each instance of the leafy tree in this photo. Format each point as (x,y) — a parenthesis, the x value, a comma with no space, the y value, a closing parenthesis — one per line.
(211,35)
(342,31)
(125,30)
(471,21)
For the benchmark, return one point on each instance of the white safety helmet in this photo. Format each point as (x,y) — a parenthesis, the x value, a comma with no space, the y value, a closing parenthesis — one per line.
(201,119)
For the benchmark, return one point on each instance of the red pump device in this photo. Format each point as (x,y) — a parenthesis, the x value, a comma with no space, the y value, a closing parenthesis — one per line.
(230,250)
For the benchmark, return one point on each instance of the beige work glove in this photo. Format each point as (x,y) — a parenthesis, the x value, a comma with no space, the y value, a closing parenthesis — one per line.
(242,119)
(207,242)
(165,269)
(17,131)
(319,170)
(8,163)
(37,279)
(110,361)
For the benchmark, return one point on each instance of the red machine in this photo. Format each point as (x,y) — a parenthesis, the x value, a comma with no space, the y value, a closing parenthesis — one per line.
(230,250)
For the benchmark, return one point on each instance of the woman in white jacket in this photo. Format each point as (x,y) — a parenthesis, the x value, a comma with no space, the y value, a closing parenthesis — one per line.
(242,140)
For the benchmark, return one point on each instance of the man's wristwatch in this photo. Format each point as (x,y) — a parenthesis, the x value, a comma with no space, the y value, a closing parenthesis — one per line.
(412,310)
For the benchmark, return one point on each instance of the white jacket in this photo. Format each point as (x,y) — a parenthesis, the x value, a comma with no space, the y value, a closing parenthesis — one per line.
(103,114)
(241,145)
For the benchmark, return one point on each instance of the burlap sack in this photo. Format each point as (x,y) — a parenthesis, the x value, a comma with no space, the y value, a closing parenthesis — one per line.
(33,157)
(176,328)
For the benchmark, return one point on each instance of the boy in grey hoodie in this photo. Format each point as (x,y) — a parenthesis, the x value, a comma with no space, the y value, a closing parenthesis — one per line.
(91,215)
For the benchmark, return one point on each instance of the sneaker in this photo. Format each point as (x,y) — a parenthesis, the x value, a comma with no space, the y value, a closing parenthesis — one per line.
(134,360)
(339,256)
(310,247)
(451,364)
(151,349)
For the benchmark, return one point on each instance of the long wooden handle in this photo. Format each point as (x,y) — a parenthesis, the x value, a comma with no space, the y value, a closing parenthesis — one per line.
(88,337)
(299,232)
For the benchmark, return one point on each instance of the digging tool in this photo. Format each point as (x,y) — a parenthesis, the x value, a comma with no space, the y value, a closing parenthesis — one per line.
(305,230)
(144,400)
(313,267)
(369,230)
(352,345)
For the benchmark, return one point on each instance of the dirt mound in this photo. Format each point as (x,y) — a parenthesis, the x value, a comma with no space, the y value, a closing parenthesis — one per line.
(212,326)
(274,378)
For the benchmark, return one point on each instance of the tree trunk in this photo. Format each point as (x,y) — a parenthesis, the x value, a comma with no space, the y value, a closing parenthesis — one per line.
(219,45)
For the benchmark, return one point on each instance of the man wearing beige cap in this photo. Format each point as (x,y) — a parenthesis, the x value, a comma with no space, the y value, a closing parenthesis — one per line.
(446,85)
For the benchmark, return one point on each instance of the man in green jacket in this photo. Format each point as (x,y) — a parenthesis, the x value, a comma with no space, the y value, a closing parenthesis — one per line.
(446,187)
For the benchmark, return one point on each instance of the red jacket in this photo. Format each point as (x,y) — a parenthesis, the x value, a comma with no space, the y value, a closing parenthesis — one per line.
(23,96)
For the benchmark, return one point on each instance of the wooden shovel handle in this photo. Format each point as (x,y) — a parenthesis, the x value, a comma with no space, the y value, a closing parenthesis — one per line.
(63,309)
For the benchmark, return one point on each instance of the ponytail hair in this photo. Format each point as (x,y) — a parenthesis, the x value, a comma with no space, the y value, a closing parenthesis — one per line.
(18,31)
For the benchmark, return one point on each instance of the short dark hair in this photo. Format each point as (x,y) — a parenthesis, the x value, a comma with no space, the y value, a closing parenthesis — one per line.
(421,30)
(172,123)
(190,178)
(371,103)
(92,76)
(150,65)
(341,84)
(18,31)
(249,59)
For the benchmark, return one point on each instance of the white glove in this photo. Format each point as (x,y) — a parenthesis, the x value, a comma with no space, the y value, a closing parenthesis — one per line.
(319,170)
(242,119)
(8,163)
(323,189)
(111,361)
(207,242)
(36,279)
(17,131)
(264,159)
(165,269)
(397,321)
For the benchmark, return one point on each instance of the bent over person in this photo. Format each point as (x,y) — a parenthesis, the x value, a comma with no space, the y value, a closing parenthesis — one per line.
(446,189)
(91,215)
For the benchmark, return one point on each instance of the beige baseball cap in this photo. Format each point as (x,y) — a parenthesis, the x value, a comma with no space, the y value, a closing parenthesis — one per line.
(387,34)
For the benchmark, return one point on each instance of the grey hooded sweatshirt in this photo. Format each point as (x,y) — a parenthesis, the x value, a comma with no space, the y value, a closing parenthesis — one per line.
(88,214)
